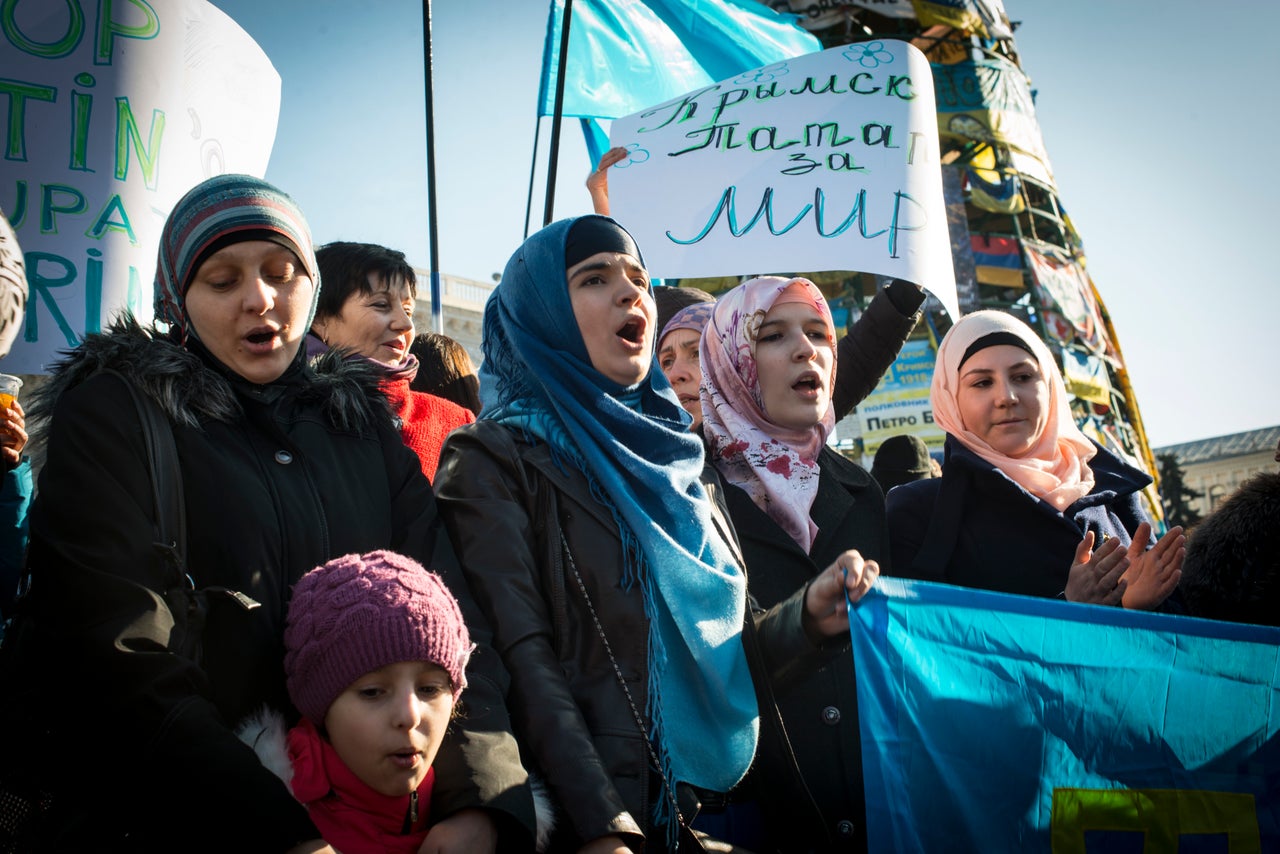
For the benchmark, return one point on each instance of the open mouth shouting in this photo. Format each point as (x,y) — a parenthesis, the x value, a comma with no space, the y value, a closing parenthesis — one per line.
(262,339)
(809,384)
(632,332)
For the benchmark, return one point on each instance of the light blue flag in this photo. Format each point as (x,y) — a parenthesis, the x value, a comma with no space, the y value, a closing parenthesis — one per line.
(625,55)
(993,722)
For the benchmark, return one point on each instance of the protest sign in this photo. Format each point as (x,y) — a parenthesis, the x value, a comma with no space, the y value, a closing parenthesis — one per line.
(114,110)
(993,722)
(824,162)
(900,402)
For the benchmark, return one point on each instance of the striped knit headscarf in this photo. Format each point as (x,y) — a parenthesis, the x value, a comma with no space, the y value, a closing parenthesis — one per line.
(221,211)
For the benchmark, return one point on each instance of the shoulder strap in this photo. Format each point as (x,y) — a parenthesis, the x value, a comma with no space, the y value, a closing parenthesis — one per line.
(166,476)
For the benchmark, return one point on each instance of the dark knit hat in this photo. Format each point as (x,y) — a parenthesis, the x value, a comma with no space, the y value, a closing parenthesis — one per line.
(901,459)
(358,613)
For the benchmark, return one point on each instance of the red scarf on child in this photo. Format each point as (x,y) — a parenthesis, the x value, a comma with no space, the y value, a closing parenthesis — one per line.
(352,817)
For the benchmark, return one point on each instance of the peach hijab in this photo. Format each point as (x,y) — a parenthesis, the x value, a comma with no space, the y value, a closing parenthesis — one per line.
(1056,469)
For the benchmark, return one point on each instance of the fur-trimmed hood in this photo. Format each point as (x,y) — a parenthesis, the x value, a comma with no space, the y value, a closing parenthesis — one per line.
(1232,567)
(191,391)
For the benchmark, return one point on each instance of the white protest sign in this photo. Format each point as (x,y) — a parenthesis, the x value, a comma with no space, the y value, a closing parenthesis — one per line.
(114,110)
(824,162)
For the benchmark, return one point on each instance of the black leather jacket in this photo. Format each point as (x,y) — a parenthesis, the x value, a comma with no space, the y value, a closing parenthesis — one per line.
(506,503)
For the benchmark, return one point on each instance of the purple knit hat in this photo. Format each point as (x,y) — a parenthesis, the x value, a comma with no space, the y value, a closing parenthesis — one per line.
(358,613)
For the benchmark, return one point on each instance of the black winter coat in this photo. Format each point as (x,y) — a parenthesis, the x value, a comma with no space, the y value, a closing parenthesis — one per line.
(821,711)
(506,503)
(873,344)
(975,527)
(277,479)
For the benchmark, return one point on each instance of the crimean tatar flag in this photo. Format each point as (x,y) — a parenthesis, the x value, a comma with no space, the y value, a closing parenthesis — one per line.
(993,722)
(625,55)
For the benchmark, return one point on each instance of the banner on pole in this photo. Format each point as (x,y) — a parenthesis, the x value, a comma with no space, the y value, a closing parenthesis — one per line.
(624,54)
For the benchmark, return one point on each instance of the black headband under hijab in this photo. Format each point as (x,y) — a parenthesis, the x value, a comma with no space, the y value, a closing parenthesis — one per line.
(233,237)
(995,339)
(592,234)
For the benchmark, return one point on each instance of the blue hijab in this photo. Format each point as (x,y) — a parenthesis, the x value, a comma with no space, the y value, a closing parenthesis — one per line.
(634,446)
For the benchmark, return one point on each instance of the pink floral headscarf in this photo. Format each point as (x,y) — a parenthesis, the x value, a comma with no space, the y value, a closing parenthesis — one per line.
(776,466)
(1057,468)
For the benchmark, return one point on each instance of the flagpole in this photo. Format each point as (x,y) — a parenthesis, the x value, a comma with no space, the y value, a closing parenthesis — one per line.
(565,20)
(437,315)
(533,168)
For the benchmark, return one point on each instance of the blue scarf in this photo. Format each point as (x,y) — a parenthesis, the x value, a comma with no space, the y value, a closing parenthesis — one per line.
(634,446)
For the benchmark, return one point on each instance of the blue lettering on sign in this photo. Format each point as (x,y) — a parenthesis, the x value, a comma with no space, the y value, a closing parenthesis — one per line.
(727,207)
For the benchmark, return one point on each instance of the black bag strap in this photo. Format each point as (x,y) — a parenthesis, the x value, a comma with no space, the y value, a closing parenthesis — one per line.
(166,479)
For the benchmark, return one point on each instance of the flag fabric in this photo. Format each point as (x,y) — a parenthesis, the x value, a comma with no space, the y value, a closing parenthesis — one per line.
(993,722)
(1063,286)
(997,260)
(987,18)
(625,55)
(596,138)
(988,100)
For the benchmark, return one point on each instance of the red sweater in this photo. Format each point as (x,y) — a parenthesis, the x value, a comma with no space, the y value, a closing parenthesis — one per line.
(425,420)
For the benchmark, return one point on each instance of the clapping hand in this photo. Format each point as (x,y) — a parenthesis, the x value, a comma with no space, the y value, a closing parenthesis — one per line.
(1096,577)
(1155,572)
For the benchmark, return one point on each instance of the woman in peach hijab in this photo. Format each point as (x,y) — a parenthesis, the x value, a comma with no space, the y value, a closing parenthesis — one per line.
(1026,503)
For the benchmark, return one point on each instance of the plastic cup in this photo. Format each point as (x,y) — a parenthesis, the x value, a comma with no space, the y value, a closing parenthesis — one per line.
(9,385)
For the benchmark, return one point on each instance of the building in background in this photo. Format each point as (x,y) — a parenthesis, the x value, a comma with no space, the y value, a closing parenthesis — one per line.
(1216,467)
(462,304)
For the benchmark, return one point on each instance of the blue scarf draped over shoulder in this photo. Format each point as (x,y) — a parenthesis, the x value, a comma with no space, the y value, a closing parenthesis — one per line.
(634,446)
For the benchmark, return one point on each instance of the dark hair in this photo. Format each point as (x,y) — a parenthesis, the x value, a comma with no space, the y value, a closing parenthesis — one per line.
(345,269)
(670,299)
(1232,567)
(445,370)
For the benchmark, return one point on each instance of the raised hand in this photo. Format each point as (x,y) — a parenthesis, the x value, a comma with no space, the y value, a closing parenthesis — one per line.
(598,181)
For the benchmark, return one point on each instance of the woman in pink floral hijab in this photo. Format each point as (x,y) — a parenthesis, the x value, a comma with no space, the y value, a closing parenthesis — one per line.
(774,459)
(768,369)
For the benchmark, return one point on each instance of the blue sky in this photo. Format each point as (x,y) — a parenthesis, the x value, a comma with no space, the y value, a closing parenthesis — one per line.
(1157,125)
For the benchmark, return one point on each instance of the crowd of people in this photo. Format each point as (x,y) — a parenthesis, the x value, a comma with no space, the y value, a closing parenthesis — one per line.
(593,599)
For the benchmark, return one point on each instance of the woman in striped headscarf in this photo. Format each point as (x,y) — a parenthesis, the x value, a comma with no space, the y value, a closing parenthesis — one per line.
(284,465)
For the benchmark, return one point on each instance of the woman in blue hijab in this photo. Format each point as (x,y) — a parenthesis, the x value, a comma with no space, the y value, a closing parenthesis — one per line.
(578,509)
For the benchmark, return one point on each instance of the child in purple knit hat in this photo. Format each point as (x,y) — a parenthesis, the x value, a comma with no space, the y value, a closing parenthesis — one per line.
(375,653)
